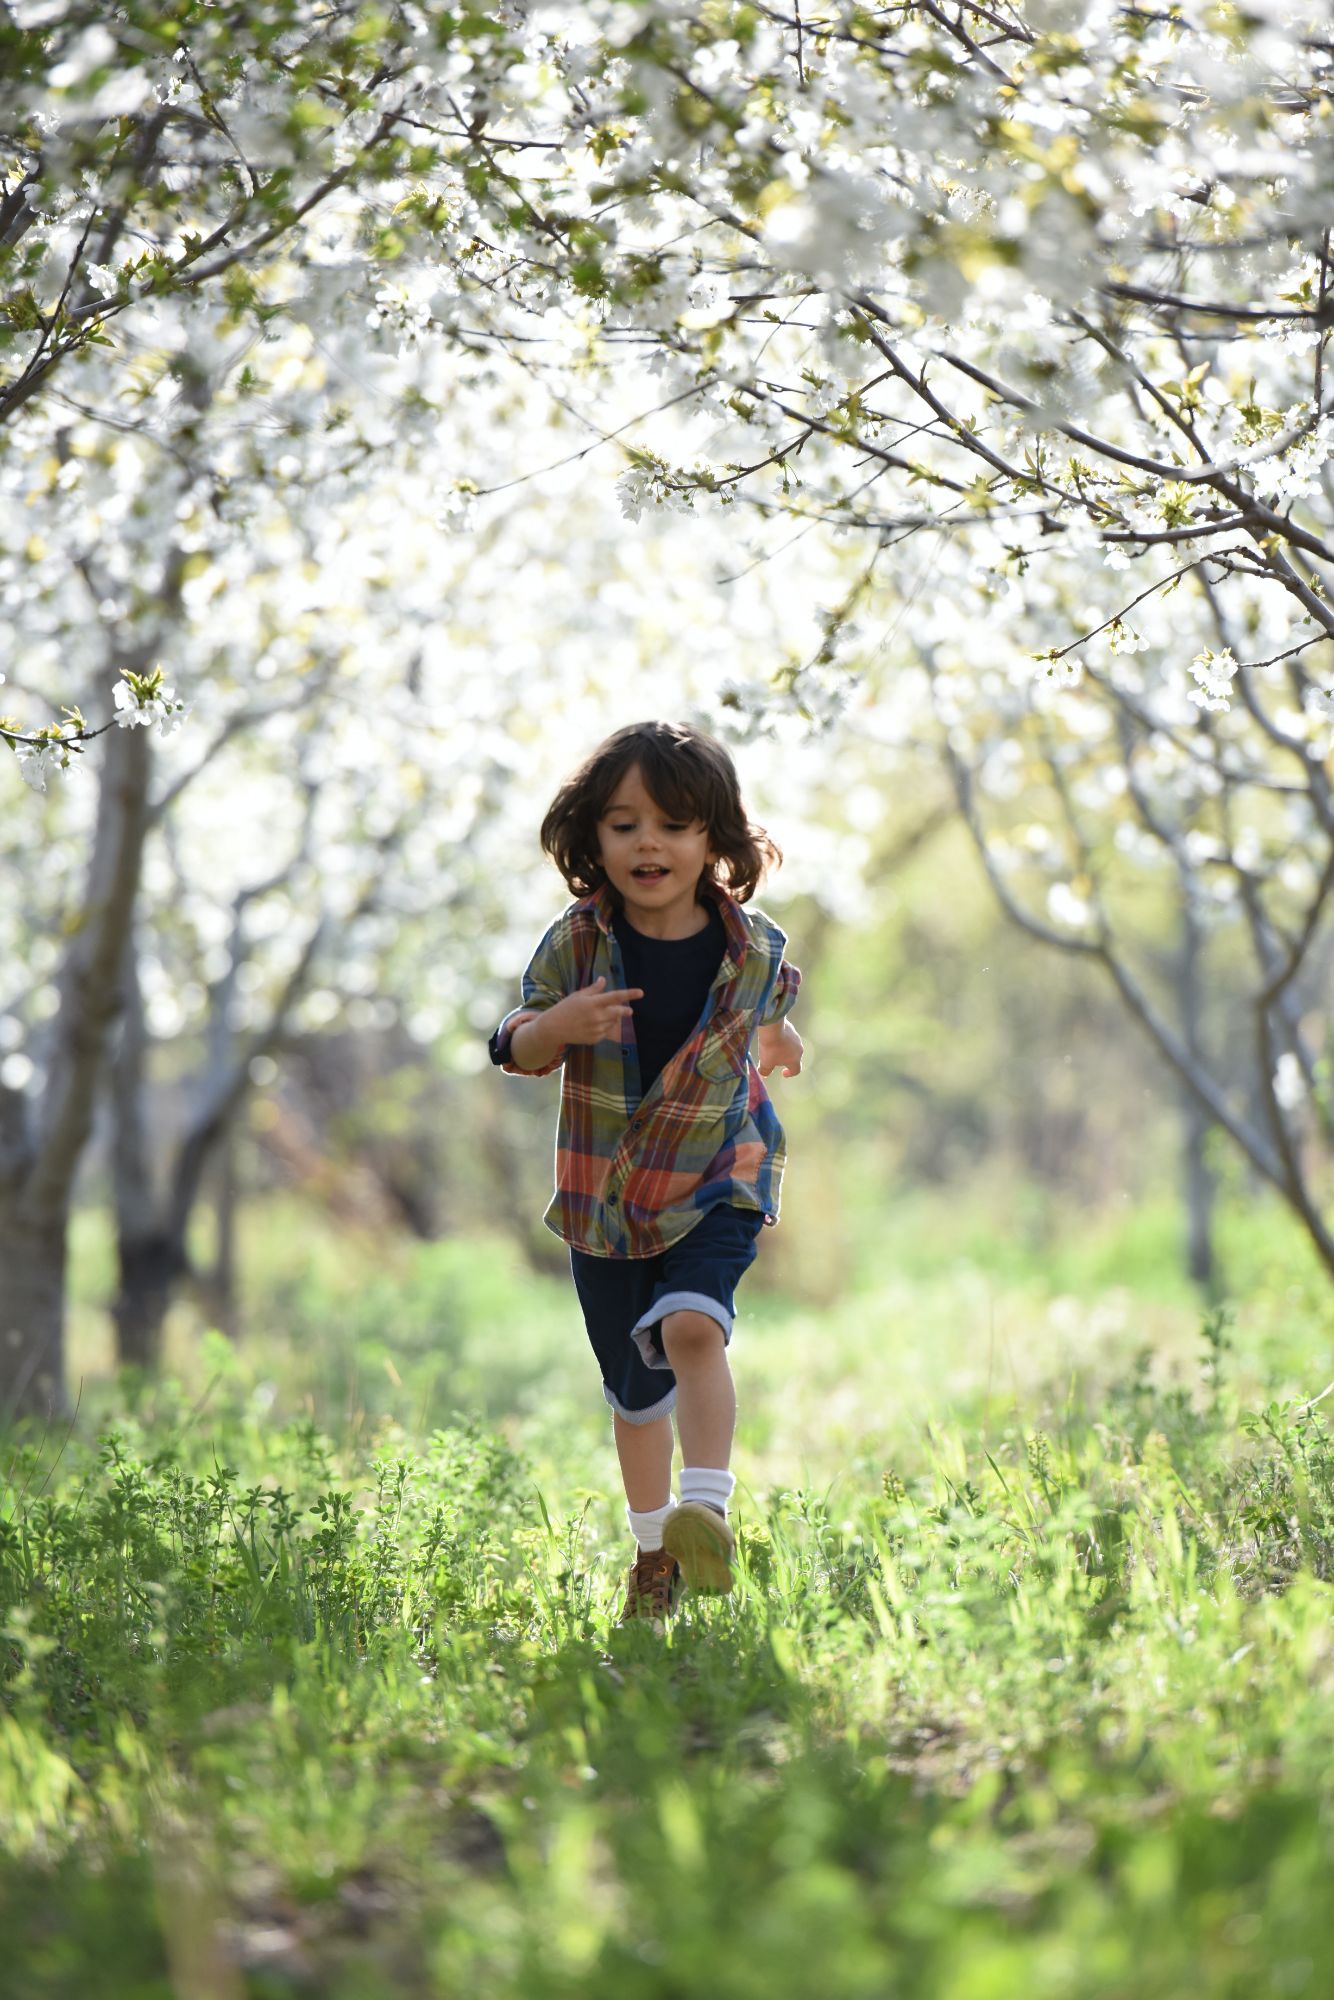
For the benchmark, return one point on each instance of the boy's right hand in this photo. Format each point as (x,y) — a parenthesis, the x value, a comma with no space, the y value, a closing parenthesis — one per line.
(593,1014)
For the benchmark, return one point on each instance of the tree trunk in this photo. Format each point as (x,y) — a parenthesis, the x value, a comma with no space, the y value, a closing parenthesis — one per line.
(149,1268)
(152,1221)
(1196,1123)
(34,1208)
(32,1313)
(222,1279)
(1199,1191)
(215,1287)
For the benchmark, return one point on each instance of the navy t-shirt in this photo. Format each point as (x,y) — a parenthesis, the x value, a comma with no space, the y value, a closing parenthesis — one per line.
(676,974)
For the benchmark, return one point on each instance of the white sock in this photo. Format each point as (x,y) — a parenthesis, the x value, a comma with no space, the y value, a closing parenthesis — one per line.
(647,1528)
(710,1483)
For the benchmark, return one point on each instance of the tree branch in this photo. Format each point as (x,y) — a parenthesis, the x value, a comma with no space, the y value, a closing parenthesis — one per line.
(221,1102)
(1160,1031)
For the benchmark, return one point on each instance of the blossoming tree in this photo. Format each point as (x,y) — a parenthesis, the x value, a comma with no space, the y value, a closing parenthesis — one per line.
(1028,303)
(178,189)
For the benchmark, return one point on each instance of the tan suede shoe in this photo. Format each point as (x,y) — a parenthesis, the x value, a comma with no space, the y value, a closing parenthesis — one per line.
(652,1586)
(700,1539)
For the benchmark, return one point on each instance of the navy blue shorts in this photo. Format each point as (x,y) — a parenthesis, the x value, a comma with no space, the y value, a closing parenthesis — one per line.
(624,1299)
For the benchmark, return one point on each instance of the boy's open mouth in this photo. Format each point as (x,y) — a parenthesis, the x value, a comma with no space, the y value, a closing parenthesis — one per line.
(647,874)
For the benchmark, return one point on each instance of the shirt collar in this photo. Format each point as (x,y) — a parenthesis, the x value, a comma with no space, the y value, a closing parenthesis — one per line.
(603,908)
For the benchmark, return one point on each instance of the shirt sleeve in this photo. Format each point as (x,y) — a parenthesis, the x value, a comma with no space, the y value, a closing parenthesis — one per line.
(784,996)
(548,978)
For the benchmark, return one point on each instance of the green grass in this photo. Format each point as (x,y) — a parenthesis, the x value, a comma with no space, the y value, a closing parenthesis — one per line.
(1025,1690)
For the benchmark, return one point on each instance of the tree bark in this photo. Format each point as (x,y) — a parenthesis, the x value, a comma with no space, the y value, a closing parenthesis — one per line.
(149,1268)
(32,1312)
(220,1284)
(149,1255)
(152,1222)
(1199,1191)
(39,1171)
(90,988)
(1195,1122)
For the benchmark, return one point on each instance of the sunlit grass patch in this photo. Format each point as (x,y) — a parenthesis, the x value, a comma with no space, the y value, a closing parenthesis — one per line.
(1036,1706)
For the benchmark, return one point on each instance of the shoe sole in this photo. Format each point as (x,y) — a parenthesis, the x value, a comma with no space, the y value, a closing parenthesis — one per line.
(702,1551)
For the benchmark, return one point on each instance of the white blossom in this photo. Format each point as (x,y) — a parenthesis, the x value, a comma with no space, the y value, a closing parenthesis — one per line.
(94,49)
(1068,672)
(37,761)
(156,706)
(709,302)
(1294,474)
(395,306)
(1066,906)
(1213,673)
(1289,1083)
(633,488)
(458,511)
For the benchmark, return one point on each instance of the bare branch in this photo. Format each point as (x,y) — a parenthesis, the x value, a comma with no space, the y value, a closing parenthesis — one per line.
(1213,308)
(235,725)
(221,1101)
(1316,785)
(1169,1042)
(1301,945)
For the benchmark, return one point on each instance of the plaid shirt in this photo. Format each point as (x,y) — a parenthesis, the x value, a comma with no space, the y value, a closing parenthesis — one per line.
(632,1179)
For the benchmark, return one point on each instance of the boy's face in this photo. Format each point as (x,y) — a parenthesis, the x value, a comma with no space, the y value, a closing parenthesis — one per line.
(654,861)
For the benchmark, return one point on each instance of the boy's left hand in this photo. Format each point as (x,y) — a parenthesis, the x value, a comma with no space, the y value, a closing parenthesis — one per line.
(779,1046)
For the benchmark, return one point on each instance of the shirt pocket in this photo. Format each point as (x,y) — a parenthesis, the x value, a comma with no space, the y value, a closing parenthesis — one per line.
(722,1053)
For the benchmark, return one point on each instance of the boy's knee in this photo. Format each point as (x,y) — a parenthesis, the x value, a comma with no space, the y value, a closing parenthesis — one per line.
(688,1333)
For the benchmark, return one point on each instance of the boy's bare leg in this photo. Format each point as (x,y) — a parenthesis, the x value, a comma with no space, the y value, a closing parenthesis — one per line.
(645,1452)
(702,1545)
(705,1392)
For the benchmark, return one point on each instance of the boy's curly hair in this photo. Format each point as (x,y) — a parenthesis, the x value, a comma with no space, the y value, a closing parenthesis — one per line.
(689,775)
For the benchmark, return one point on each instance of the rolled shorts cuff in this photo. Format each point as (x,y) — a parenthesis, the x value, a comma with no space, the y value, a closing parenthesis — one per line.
(642,1331)
(663,1407)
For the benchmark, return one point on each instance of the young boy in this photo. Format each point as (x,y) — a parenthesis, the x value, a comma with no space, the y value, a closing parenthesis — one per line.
(651,990)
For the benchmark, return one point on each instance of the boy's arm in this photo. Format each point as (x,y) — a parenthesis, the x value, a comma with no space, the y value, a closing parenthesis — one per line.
(523,1032)
(536,1047)
(777,1043)
(779,1047)
(545,1037)
(783,998)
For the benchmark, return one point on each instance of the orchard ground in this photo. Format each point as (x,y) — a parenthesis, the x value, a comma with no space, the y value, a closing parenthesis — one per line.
(313,1682)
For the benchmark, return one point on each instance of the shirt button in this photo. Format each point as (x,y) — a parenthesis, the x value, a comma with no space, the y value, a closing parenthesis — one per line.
(611,1200)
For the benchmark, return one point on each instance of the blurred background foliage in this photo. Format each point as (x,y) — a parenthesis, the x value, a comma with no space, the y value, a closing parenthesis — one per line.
(970,1104)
